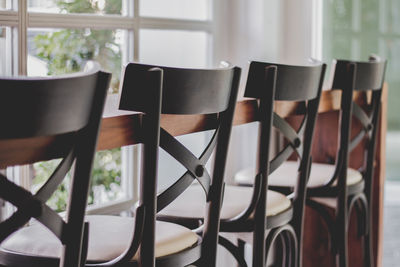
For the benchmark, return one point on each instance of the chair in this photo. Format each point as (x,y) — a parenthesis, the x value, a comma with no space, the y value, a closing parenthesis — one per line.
(256,209)
(184,92)
(337,186)
(43,119)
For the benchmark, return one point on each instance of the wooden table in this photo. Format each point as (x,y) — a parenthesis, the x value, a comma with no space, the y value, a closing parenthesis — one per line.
(123,128)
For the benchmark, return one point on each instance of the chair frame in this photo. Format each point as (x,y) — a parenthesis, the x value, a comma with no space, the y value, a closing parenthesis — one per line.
(261,84)
(268,88)
(181,92)
(350,77)
(60,108)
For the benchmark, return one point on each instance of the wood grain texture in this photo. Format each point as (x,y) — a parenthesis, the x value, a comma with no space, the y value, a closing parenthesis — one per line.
(29,150)
(121,128)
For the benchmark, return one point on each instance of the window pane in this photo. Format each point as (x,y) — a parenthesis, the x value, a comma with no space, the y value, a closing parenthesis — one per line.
(52,52)
(369,19)
(179,9)
(2,4)
(339,13)
(172,47)
(392,47)
(76,6)
(5,51)
(393,16)
(105,183)
(59,51)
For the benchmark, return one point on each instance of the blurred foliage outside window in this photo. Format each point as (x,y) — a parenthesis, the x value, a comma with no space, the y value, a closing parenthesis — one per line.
(65,51)
(356,29)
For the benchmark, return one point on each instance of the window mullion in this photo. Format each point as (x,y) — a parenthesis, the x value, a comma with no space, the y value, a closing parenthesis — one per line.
(9,18)
(22,37)
(136,30)
(175,24)
(80,21)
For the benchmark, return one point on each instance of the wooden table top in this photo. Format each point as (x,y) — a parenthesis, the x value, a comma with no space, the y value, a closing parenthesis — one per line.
(121,128)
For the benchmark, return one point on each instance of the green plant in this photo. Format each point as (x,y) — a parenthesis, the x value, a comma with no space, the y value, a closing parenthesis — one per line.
(66,51)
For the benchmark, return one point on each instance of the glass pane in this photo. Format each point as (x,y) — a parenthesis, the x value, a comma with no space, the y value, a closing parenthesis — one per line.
(341,46)
(339,13)
(105,184)
(392,76)
(369,16)
(178,9)
(5,51)
(59,51)
(393,16)
(2,4)
(52,52)
(76,6)
(172,47)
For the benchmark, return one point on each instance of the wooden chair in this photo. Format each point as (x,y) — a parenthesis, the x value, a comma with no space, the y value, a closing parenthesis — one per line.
(337,186)
(43,119)
(256,209)
(184,92)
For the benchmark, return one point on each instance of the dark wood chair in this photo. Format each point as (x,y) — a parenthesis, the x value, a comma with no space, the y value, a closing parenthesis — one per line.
(60,118)
(348,188)
(256,209)
(184,92)
(336,186)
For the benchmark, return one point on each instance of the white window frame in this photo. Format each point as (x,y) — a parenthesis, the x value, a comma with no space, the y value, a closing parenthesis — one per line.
(19,19)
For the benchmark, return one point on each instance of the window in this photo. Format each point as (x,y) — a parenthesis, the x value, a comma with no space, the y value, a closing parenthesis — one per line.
(51,37)
(354,30)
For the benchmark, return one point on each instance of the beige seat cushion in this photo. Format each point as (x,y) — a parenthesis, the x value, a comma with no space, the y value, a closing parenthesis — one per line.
(285,175)
(109,236)
(191,204)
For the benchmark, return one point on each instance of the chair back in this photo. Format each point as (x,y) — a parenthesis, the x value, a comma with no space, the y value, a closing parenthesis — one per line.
(364,79)
(44,119)
(156,90)
(271,82)
(302,85)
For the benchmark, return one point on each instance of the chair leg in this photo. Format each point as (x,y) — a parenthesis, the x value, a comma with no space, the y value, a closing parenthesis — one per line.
(342,251)
(364,226)
(368,253)
(365,215)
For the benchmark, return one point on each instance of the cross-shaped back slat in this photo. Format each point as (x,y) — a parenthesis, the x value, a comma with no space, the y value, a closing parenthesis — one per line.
(293,83)
(352,76)
(366,123)
(34,206)
(294,138)
(195,167)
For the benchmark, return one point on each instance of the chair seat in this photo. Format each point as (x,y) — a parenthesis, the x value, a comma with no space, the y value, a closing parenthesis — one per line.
(191,204)
(109,236)
(286,175)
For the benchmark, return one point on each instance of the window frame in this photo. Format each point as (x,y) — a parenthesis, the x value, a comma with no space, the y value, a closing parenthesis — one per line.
(19,19)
